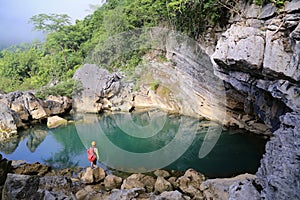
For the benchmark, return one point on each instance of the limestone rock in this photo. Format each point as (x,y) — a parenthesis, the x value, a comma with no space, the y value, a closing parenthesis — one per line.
(30,169)
(93,175)
(162,185)
(56,121)
(34,187)
(240,47)
(268,11)
(8,126)
(170,195)
(139,181)
(219,188)
(126,194)
(162,173)
(190,183)
(244,190)
(5,167)
(58,104)
(112,182)
(279,171)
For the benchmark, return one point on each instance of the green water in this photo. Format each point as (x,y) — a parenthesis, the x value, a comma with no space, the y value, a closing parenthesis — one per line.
(141,142)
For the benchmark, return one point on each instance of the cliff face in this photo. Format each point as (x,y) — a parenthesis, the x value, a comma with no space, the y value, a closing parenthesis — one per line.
(258,58)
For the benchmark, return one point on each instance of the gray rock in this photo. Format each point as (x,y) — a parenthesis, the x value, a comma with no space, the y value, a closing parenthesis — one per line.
(219,188)
(292,6)
(243,190)
(101,91)
(126,194)
(169,195)
(8,125)
(240,48)
(162,173)
(279,171)
(268,11)
(35,187)
(139,181)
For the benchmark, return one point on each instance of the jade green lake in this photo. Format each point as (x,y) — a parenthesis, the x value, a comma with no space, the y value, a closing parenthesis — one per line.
(141,142)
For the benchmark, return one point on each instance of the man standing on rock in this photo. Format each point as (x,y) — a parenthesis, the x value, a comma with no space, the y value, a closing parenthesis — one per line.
(93,154)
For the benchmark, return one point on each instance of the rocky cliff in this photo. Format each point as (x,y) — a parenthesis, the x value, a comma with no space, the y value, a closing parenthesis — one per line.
(258,58)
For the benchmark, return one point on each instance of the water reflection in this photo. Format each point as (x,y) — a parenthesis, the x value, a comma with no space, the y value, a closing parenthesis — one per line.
(125,143)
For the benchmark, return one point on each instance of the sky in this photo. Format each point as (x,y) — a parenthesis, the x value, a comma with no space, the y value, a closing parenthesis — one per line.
(15,14)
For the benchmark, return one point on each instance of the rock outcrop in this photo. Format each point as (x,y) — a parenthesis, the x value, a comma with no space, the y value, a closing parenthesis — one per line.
(258,58)
(102,91)
(21,109)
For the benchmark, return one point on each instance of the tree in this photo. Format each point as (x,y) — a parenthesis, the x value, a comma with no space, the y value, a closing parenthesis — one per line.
(50,23)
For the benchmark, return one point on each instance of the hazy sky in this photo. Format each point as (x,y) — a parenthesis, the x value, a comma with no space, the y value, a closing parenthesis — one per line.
(15,14)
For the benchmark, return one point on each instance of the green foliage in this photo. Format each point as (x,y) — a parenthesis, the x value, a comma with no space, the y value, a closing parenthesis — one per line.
(107,37)
(67,88)
(278,3)
(50,23)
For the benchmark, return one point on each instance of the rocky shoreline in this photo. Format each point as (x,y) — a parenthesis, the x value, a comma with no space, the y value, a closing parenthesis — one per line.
(37,181)
(257,57)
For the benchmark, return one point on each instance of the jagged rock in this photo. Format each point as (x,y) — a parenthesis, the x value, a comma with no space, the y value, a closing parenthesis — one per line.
(169,195)
(58,104)
(292,6)
(93,175)
(30,169)
(279,171)
(33,187)
(244,190)
(218,189)
(112,182)
(162,185)
(126,194)
(190,183)
(5,167)
(268,11)
(8,126)
(56,121)
(239,48)
(139,181)
(162,173)
(276,56)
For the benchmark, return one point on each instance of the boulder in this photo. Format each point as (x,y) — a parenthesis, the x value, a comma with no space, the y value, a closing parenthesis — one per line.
(56,121)
(5,167)
(162,173)
(101,90)
(9,122)
(30,169)
(58,104)
(139,181)
(128,194)
(190,183)
(34,187)
(219,188)
(112,182)
(169,195)
(94,175)
(162,185)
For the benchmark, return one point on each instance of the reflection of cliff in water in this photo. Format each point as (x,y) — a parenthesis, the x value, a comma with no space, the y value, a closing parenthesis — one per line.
(71,145)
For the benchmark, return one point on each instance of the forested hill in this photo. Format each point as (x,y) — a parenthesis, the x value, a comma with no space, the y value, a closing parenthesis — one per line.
(30,66)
